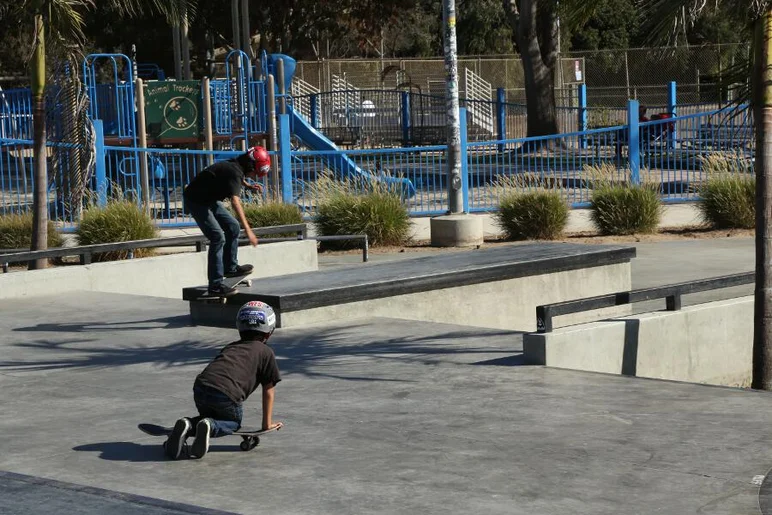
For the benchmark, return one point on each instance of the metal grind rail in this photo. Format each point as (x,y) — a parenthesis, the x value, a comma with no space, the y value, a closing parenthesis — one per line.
(86,252)
(671,293)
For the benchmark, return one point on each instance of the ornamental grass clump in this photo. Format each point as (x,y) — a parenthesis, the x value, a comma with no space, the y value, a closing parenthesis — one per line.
(728,194)
(359,206)
(117,221)
(530,209)
(619,207)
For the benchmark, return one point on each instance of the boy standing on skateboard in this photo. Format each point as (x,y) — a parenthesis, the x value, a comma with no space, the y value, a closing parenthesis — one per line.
(228,380)
(203,200)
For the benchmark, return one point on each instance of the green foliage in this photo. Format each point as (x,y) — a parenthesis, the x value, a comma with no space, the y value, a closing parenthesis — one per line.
(118,221)
(272,213)
(729,202)
(16,232)
(625,209)
(359,206)
(539,215)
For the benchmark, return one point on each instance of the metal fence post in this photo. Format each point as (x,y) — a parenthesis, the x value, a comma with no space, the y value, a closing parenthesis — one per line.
(672,110)
(582,95)
(314,115)
(285,155)
(501,116)
(464,160)
(633,141)
(100,163)
(405,104)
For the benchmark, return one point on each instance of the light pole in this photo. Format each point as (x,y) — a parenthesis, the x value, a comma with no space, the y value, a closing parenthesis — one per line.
(455,194)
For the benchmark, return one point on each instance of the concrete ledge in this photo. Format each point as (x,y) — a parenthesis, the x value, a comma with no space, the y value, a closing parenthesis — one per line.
(495,288)
(709,343)
(160,276)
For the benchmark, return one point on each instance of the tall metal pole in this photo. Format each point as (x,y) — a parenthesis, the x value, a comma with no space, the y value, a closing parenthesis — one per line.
(245,31)
(455,194)
(235,25)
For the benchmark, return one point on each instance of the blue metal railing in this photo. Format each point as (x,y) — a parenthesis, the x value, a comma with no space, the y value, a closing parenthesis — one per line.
(16,113)
(668,152)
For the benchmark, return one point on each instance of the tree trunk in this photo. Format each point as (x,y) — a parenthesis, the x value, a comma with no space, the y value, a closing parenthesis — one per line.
(534,26)
(762,105)
(539,96)
(40,192)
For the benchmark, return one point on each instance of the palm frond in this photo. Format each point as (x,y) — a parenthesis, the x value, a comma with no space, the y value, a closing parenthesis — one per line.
(173,10)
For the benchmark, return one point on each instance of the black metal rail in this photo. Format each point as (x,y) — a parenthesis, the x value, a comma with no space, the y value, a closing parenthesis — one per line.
(671,293)
(86,252)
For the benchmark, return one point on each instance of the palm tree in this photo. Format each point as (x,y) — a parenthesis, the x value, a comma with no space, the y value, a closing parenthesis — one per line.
(668,14)
(60,22)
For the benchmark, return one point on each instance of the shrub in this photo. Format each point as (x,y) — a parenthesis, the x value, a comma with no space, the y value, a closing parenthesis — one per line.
(359,206)
(625,209)
(16,232)
(619,207)
(118,221)
(540,215)
(381,216)
(729,202)
(728,195)
(272,213)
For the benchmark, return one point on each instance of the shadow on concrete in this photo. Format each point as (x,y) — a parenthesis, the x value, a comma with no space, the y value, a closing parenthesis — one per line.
(299,352)
(169,355)
(630,350)
(85,327)
(144,453)
(125,451)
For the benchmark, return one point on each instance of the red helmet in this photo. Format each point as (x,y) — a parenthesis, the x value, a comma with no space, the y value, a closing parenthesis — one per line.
(261,159)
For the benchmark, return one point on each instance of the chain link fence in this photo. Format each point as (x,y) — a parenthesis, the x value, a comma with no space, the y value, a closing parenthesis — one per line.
(612,76)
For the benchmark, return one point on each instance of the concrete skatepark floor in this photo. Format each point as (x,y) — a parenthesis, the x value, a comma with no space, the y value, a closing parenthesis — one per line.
(382,416)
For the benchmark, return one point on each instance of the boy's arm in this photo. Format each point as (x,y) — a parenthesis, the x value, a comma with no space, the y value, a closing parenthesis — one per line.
(268,423)
(236,203)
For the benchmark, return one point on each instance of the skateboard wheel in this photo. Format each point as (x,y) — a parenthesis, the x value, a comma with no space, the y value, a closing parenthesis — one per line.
(248,282)
(244,445)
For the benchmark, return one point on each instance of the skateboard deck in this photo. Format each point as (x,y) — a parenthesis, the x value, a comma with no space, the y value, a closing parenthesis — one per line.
(250,436)
(239,280)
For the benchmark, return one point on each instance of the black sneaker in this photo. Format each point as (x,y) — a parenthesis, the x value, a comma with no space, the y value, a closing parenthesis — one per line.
(176,441)
(221,290)
(201,442)
(240,270)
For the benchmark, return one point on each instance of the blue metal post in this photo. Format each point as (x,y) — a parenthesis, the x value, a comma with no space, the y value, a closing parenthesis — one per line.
(501,116)
(633,141)
(100,163)
(285,156)
(672,109)
(405,118)
(314,115)
(582,94)
(464,161)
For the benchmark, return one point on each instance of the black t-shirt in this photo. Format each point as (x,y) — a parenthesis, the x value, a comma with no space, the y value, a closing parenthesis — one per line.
(217,182)
(240,368)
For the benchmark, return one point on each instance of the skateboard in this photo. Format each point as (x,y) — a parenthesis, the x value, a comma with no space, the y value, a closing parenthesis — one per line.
(239,280)
(250,436)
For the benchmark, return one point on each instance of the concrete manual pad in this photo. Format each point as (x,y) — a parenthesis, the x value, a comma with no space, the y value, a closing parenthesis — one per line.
(382,416)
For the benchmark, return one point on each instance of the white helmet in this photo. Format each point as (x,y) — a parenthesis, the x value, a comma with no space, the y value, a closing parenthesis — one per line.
(256,316)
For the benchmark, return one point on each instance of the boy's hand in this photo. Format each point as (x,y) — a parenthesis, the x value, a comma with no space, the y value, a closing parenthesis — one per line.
(275,425)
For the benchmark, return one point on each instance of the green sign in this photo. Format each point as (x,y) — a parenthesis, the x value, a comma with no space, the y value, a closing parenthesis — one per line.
(172,109)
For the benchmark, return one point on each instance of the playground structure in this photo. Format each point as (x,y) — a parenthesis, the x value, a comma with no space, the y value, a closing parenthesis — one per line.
(152,137)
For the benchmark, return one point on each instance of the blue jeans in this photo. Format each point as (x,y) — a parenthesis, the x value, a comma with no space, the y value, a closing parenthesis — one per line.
(225,414)
(222,230)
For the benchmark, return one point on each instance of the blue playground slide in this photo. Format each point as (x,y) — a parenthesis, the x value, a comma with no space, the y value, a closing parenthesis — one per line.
(339,161)
(315,140)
